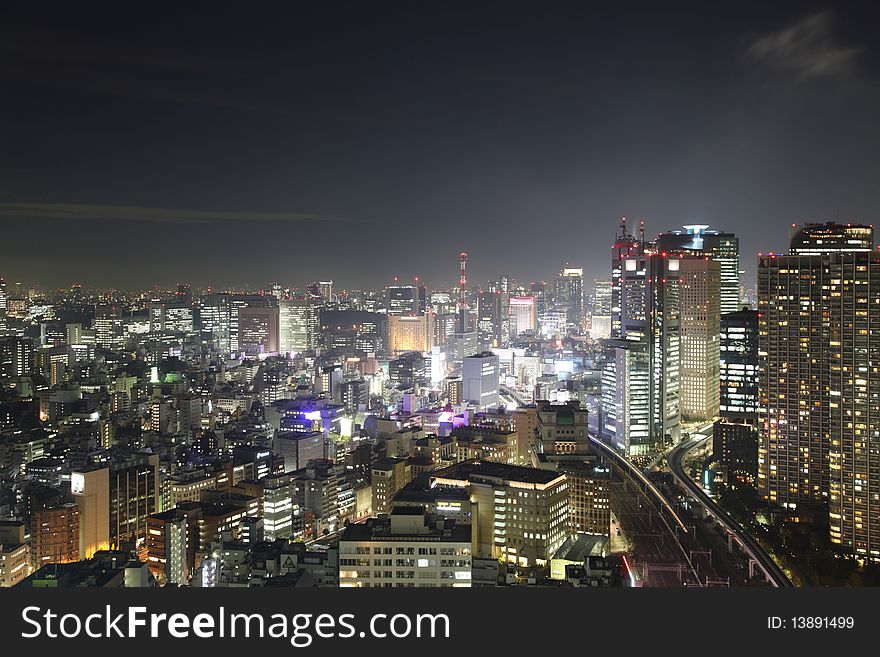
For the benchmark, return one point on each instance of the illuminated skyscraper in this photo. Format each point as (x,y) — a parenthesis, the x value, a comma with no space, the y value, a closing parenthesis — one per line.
(600,318)
(108,326)
(293,322)
(215,315)
(523,313)
(402,300)
(3,308)
(322,290)
(444,330)
(410,333)
(819,382)
(739,366)
(171,317)
(538,290)
(493,319)
(699,296)
(258,329)
(625,245)
(723,248)
(818,239)
(480,379)
(569,294)
(353,331)
(735,435)
(641,378)
(236,303)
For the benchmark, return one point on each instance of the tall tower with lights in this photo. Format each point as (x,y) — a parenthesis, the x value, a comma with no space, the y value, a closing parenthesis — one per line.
(462,293)
(819,380)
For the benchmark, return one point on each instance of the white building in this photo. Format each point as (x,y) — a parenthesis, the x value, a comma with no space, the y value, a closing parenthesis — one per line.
(523,313)
(278,506)
(405,549)
(480,382)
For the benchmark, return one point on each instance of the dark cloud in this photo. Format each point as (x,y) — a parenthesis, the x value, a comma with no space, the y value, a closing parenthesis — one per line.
(84,212)
(806,49)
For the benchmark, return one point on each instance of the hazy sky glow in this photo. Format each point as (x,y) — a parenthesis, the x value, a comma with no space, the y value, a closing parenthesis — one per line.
(239,144)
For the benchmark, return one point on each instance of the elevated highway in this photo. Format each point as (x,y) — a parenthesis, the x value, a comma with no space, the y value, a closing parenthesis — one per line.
(758,557)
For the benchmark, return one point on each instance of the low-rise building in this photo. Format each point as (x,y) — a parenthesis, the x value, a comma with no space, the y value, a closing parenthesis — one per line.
(409,548)
(520,513)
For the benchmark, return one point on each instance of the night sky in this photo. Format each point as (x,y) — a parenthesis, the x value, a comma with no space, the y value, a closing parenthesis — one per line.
(237,144)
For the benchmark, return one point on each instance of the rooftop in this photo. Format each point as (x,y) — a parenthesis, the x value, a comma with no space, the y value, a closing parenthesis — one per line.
(578,547)
(380,529)
(413,493)
(475,469)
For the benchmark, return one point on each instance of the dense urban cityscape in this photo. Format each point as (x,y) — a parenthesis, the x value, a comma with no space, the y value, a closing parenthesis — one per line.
(664,425)
(537,298)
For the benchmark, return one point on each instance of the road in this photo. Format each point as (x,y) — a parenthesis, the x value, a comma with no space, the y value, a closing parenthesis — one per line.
(675,461)
(650,524)
(668,535)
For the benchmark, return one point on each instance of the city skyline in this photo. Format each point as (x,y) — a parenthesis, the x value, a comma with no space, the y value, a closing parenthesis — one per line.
(440,295)
(445,282)
(313,147)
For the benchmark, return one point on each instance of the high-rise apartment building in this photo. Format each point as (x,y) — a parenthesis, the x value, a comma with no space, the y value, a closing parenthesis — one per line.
(819,383)
(55,535)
